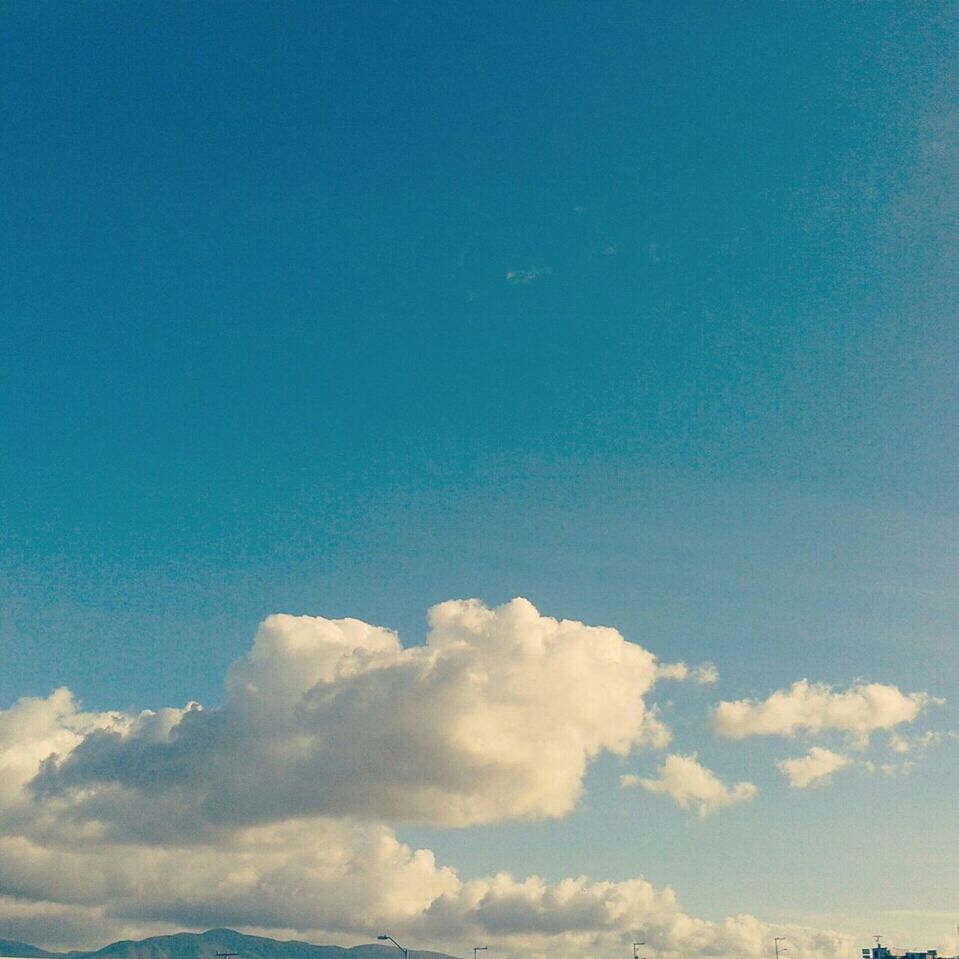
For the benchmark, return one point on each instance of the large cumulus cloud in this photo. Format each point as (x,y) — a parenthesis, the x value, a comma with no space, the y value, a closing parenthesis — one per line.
(495,717)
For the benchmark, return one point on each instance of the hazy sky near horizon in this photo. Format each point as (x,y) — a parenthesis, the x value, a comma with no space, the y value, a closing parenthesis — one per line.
(645,313)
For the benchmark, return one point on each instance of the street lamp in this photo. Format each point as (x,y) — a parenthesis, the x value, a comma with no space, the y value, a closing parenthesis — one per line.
(406,952)
(477,949)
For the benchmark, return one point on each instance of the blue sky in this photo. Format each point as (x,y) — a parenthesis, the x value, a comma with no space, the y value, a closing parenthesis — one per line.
(644,313)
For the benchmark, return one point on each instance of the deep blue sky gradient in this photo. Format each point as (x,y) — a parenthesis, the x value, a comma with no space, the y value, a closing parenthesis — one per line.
(255,292)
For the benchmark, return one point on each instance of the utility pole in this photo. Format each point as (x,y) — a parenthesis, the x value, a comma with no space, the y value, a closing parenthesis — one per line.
(477,949)
(636,945)
(776,941)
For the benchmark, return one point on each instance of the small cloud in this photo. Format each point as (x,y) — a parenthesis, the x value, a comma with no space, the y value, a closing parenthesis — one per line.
(677,671)
(656,734)
(813,769)
(814,708)
(899,743)
(692,786)
(520,277)
(911,749)
(705,674)
(898,769)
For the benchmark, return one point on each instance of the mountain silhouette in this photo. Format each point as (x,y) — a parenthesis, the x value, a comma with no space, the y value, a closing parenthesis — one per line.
(10,947)
(205,945)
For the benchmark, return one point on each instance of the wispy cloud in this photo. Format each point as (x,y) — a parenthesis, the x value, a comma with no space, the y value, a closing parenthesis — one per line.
(901,743)
(529,275)
(705,674)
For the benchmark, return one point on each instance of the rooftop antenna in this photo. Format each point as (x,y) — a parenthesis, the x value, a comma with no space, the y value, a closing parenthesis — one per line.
(878,941)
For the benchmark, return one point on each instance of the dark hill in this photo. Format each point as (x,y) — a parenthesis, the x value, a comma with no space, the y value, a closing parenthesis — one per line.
(10,947)
(205,945)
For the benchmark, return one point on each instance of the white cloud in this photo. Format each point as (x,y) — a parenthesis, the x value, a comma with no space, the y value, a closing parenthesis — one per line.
(816,707)
(899,743)
(705,674)
(911,750)
(814,768)
(691,785)
(325,883)
(496,717)
(40,727)
(335,882)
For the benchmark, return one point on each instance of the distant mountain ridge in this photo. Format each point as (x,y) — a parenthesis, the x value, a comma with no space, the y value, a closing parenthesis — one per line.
(10,947)
(205,945)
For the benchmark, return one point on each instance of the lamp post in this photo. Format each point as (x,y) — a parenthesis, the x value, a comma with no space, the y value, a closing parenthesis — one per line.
(477,949)
(406,952)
